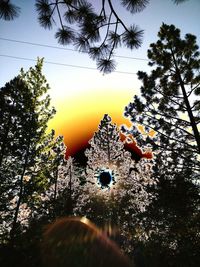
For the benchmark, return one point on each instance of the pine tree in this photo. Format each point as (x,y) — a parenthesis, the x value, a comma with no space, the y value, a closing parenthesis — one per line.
(25,112)
(60,198)
(106,147)
(116,187)
(169,101)
(52,154)
(169,104)
(171,221)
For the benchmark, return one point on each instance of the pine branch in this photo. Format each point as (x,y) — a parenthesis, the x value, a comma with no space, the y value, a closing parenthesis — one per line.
(172,117)
(117,17)
(161,133)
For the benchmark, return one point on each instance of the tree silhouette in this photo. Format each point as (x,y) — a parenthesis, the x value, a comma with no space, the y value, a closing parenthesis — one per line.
(169,102)
(96,32)
(171,221)
(24,173)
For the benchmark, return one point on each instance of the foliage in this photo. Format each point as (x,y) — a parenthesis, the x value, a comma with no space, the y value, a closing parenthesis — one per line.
(171,222)
(37,183)
(24,171)
(116,187)
(60,198)
(97,29)
(169,104)
(98,33)
(8,11)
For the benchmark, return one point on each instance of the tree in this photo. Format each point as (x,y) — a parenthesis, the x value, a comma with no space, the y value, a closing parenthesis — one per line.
(97,33)
(169,104)
(53,153)
(171,221)
(60,198)
(116,187)
(25,111)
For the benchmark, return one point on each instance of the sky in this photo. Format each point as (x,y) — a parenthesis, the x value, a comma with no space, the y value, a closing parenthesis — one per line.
(82,96)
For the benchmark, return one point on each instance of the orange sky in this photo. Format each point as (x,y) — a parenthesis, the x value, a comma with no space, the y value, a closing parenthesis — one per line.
(78,118)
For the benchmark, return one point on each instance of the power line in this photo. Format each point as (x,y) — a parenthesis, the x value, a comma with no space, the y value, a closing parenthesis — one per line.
(63,64)
(62,48)
(37,44)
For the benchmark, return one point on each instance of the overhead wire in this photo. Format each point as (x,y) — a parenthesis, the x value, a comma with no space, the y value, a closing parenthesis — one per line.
(63,48)
(63,64)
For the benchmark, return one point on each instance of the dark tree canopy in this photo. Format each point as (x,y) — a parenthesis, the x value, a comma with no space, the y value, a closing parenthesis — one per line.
(169,102)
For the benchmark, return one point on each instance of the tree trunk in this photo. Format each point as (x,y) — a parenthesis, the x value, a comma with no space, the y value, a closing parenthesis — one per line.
(187,103)
(14,226)
(56,182)
(69,204)
(5,138)
(190,114)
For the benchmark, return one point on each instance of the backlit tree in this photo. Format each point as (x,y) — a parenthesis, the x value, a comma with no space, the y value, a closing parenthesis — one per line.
(24,172)
(116,187)
(169,102)
(169,105)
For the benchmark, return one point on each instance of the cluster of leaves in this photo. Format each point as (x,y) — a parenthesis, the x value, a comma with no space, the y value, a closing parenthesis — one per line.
(8,11)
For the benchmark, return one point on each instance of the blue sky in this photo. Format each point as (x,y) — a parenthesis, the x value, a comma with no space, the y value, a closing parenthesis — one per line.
(26,28)
(69,84)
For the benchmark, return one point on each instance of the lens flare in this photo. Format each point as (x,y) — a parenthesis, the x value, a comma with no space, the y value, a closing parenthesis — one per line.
(78,242)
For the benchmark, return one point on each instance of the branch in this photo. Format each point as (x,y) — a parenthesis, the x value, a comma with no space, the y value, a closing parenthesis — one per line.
(178,154)
(103,9)
(117,17)
(108,24)
(59,15)
(114,41)
(165,95)
(161,133)
(171,117)
(192,89)
(197,103)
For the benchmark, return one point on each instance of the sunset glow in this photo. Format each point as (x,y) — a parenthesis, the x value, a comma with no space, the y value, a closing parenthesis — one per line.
(78,117)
